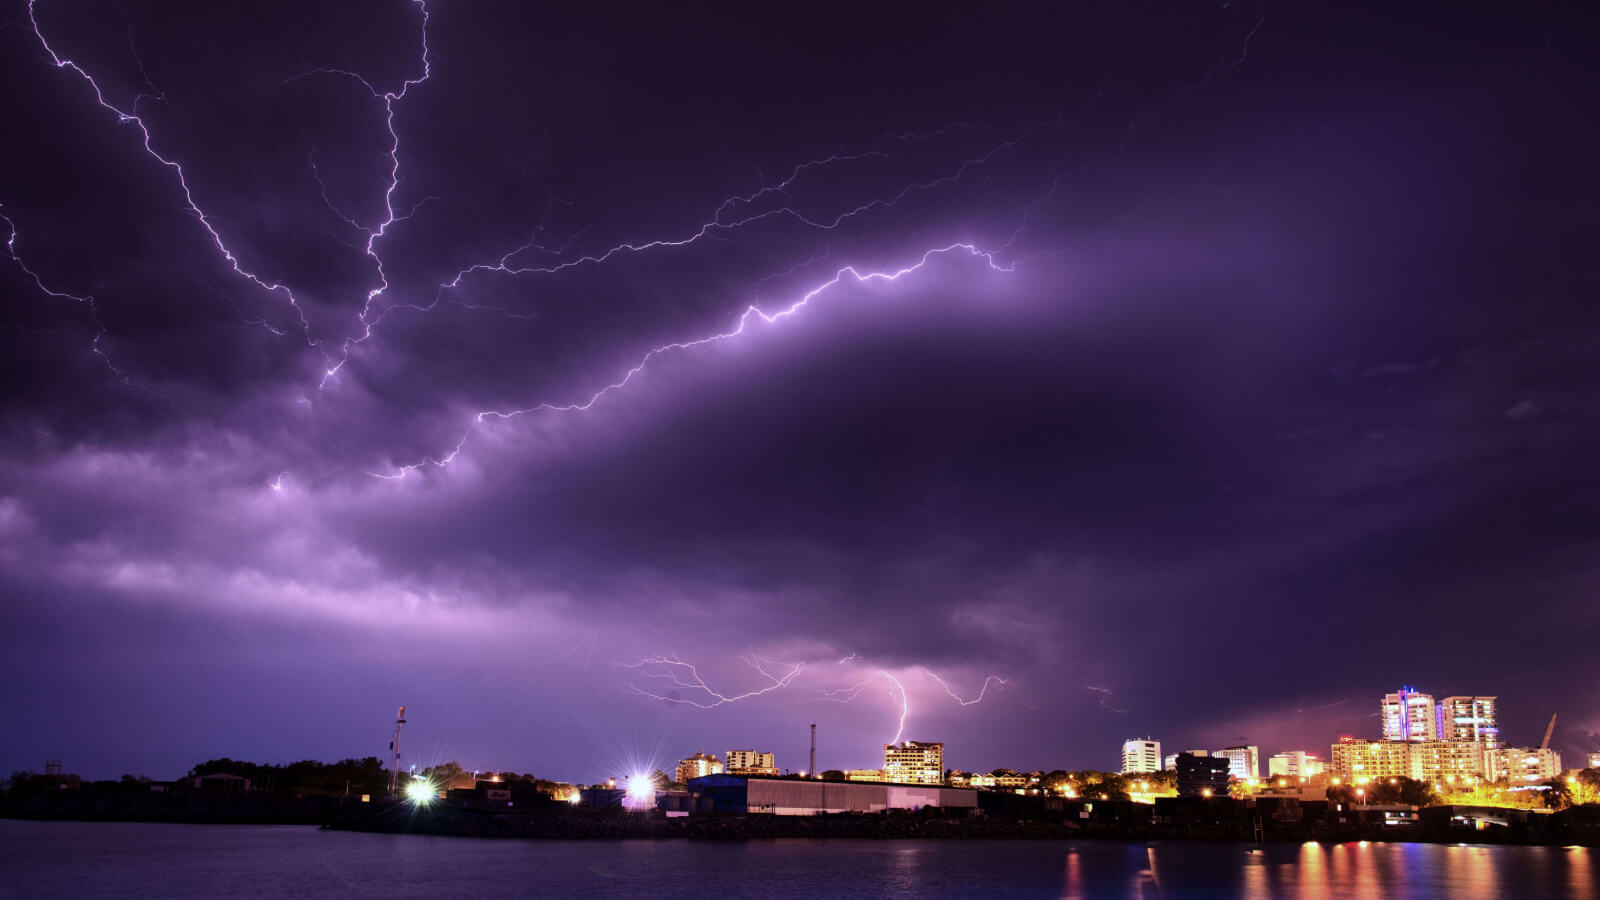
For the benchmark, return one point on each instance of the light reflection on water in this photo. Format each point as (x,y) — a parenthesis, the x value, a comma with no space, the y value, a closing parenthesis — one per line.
(88,860)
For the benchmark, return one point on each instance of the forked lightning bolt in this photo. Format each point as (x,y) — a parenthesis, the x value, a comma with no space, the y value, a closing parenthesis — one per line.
(683,675)
(132,118)
(751,315)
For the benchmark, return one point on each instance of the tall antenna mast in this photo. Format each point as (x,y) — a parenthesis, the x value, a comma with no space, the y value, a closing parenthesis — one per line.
(394,745)
(813,770)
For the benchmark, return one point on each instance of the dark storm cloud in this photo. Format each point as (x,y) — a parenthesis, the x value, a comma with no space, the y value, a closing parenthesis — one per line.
(1289,331)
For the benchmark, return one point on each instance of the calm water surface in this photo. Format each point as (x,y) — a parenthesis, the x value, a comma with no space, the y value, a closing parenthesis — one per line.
(74,859)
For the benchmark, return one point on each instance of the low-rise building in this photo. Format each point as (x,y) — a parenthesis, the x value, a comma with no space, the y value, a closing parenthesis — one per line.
(1202,776)
(1294,764)
(1594,760)
(804,797)
(700,764)
(1524,765)
(863,775)
(1444,762)
(1357,760)
(1435,761)
(750,762)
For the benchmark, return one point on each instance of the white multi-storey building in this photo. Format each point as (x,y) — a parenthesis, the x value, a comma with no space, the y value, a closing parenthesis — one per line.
(1594,760)
(1141,756)
(751,762)
(1244,761)
(1409,716)
(1294,763)
(1469,719)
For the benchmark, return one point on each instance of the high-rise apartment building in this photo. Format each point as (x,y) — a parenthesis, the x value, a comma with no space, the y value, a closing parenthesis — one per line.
(1294,764)
(1244,761)
(914,762)
(1141,756)
(1594,760)
(696,766)
(1469,719)
(1409,716)
(751,762)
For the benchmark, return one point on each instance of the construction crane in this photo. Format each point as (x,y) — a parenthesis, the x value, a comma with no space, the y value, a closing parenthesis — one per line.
(394,745)
(1549,730)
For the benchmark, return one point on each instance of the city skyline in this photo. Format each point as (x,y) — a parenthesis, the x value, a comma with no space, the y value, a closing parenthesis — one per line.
(607,394)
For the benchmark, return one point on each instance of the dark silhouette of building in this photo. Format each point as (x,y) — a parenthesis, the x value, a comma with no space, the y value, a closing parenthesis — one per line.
(1202,776)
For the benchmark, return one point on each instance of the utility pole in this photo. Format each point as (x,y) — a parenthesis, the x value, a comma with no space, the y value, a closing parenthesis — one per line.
(813,770)
(394,745)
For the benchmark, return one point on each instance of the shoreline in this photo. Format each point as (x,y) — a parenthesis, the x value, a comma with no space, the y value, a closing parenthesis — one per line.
(747,829)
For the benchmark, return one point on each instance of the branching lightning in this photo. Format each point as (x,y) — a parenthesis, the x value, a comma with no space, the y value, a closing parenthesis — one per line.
(770,200)
(132,118)
(682,675)
(85,299)
(898,688)
(991,680)
(751,314)
(1105,697)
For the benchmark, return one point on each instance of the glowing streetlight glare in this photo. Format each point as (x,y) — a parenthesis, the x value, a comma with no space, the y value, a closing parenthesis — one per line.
(420,791)
(640,786)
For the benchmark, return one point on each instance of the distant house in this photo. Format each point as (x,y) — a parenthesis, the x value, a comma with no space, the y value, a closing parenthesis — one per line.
(221,783)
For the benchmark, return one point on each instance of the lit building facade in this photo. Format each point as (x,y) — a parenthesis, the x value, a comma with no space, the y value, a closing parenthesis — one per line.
(1294,764)
(863,775)
(1470,719)
(1244,761)
(1435,761)
(1409,716)
(751,762)
(1140,756)
(1170,761)
(999,780)
(697,766)
(914,762)
(1594,760)
(1444,762)
(1356,760)
(1524,765)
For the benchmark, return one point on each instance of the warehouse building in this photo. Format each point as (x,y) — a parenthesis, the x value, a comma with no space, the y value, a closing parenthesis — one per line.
(796,797)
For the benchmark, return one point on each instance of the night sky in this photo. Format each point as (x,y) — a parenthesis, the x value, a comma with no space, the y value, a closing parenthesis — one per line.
(1200,370)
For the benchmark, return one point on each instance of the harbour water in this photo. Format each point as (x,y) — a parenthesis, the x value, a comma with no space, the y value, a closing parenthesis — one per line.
(88,860)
